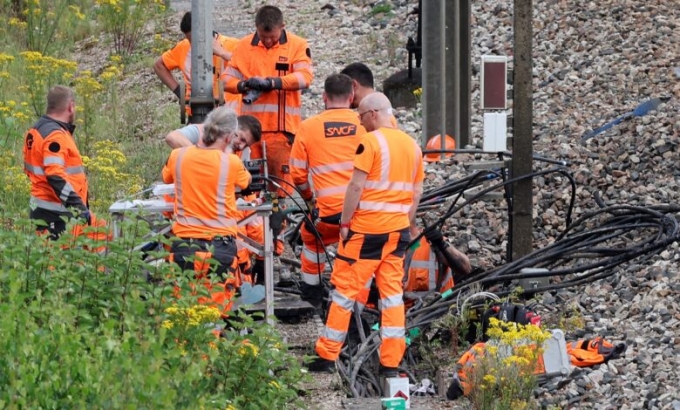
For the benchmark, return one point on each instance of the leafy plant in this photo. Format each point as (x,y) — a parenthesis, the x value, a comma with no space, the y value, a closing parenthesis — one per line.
(503,374)
(125,20)
(85,329)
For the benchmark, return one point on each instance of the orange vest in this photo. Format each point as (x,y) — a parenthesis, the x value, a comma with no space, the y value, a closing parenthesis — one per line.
(179,58)
(290,60)
(423,271)
(53,164)
(205,182)
(325,146)
(394,164)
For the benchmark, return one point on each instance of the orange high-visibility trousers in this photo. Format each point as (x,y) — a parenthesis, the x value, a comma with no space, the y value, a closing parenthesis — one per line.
(313,257)
(358,258)
(278,147)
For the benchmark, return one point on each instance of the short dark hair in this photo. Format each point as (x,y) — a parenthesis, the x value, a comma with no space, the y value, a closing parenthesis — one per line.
(185,25)
(58,99)
(252,124)
(359,72)
(268,18)
(338,86)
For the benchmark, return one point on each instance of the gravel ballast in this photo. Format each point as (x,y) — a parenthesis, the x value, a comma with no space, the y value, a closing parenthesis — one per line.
(593,61)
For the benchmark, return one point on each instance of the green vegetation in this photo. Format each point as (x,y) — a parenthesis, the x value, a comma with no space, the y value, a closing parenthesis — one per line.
(381,9)
(84,329)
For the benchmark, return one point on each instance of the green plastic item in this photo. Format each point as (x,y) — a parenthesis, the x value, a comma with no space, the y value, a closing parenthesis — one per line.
(393,403)
(447,293)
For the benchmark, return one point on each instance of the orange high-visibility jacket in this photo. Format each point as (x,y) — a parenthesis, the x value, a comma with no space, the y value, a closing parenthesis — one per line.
(205,183)
(423,270)
(179,58)
(394,164)
(325,146)
(54,166)
(289,62)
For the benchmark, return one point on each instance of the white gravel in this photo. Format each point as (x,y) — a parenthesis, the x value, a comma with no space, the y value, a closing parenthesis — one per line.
(593,61)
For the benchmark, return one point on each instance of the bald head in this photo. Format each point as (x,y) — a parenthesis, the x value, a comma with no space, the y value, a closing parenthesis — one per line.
(375,111)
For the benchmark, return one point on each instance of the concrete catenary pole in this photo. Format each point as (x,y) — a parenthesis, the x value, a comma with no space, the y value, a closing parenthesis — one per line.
(202,99)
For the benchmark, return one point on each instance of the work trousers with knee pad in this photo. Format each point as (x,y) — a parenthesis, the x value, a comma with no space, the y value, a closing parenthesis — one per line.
(359,256)
(197,255)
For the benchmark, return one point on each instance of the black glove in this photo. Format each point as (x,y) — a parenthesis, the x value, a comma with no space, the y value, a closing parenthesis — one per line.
(262,84)
(251,96)
(86,216)
(434,235)
(176,91)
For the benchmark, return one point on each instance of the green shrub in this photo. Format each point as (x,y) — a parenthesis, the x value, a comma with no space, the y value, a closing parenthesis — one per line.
(85,330)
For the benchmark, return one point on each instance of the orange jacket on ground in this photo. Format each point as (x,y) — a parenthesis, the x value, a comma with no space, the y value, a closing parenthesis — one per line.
(205,182)
(423,270)
(394,164)
(325,146)
(54,166)
(179,58)
(289,62)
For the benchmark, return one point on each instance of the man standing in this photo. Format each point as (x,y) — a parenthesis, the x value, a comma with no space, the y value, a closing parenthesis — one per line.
(179,58)
(271,67)
(53,164)
(362,81)
(379,207)
(324,146)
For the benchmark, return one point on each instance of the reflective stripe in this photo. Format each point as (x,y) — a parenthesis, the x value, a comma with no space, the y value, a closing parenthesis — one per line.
(78,169)
(300,163)
(359,307)
(231,71)
(310,278)
(233,105)
(273,108)
(334,190)
(342,301)
(50,206)
(390,186)
(53,161)
(332,334)
(392,332)
(75,170)
(431,266)
(220,219)
(384,206)
(210,223)
(384,156)
(33,169)
(313,256)
(392,301)
(303,187)
(326,168)
(301,65)
(301,80)
(66,192)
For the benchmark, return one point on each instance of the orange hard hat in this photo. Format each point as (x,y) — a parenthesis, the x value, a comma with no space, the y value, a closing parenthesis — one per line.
(435,143)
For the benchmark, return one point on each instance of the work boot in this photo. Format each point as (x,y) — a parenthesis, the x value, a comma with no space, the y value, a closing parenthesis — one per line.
(321,365)
(388,372)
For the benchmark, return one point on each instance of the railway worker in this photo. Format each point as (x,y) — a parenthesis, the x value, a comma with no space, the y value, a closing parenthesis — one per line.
(179,58)
(278,64)
(362,83)
(379,207)
(249,132)
(54,166)
(206,179)
(324,149)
